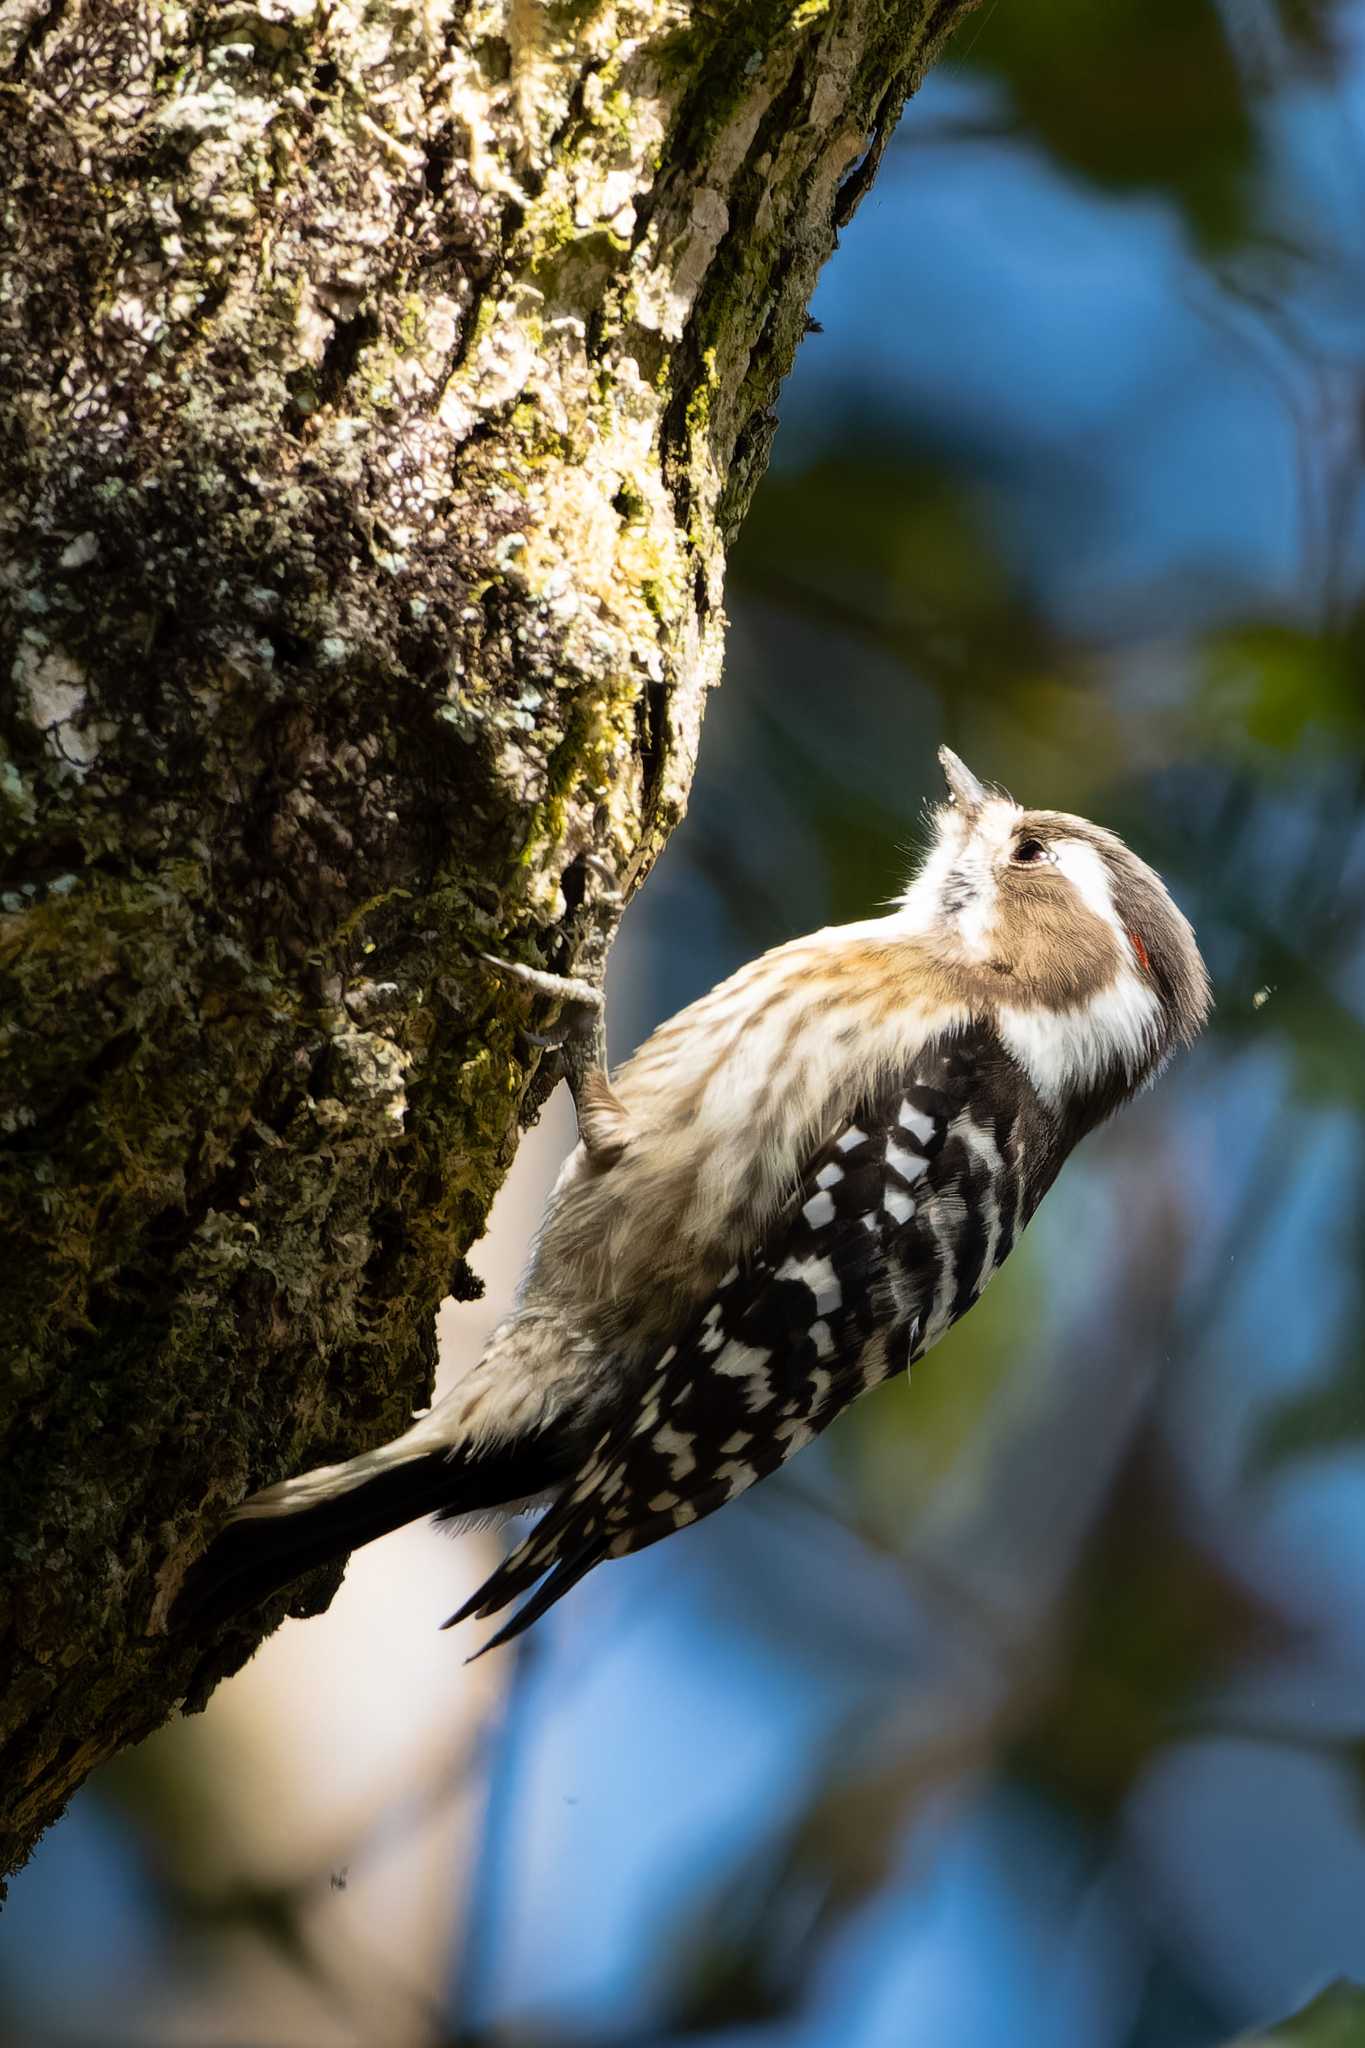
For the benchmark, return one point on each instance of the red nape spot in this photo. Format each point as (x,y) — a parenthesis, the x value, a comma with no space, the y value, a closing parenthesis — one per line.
(1143,962)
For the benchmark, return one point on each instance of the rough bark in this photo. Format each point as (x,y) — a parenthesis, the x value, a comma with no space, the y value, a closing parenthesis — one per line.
(381,385)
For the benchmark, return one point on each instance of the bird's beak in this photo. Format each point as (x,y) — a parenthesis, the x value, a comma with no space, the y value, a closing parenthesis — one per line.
(962,784)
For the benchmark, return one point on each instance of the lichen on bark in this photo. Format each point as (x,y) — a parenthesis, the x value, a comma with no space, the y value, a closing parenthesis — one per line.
(381,386)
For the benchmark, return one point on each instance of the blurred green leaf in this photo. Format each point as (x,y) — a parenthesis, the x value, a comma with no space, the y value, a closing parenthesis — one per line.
(898,552)
(1156,1619)
(860,842)
(1335,2019)
(1136,95)
(1323,1418)
(1274,687)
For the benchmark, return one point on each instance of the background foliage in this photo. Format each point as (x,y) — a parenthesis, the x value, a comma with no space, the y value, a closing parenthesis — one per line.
(1031,1705)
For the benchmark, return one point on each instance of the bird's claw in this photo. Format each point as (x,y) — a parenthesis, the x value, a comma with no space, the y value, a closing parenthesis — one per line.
(560,988)
(582,1042)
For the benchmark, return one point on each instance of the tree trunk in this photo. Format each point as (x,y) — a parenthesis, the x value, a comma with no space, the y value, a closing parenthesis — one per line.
(381,386)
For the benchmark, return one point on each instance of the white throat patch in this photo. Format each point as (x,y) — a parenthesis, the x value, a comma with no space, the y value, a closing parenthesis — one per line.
(1064,1052)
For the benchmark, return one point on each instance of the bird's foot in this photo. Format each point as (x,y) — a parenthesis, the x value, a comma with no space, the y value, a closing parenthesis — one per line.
(580,1036)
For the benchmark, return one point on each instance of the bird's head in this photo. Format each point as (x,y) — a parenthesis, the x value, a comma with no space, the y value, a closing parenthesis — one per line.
(1059,927)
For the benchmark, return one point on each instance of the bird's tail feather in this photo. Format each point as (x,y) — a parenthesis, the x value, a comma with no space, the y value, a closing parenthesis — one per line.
(290,1529)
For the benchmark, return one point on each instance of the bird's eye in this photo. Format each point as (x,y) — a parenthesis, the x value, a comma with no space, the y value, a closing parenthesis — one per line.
(1028,852)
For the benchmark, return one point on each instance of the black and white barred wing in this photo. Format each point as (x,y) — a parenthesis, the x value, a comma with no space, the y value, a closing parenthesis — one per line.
(896,1226)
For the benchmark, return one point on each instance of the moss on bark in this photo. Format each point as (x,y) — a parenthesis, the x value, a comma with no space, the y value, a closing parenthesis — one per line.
(382,385)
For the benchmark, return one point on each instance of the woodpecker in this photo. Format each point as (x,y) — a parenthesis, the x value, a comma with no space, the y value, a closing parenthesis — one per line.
(793,1189)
